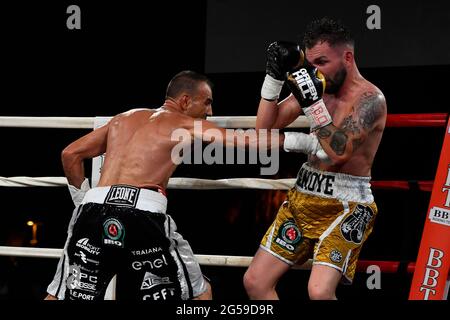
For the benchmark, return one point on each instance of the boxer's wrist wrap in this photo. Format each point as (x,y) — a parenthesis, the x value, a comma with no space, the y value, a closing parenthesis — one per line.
(305,143)
(271,88)
(317,115)
(78,194)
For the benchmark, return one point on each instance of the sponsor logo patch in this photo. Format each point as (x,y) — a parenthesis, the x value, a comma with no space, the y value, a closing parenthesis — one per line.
(151,280)
(150,264)
(146,251)
(121,195)
(85,259)
(440,215)
(336,256)
(113,232)
(355,224)
(83,243)
(289,235)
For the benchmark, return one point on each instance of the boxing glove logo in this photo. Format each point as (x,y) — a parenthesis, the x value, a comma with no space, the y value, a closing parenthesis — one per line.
(355,224)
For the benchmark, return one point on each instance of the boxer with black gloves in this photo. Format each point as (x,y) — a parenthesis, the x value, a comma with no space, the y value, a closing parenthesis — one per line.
(307,85)
(330,211)
(282,56)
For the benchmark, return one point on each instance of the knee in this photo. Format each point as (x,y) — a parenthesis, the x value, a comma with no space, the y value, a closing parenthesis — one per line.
(252,284)
(321,292)
(208,292)
(207,295)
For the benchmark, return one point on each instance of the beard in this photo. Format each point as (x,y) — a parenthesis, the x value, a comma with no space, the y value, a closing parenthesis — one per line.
(335,83)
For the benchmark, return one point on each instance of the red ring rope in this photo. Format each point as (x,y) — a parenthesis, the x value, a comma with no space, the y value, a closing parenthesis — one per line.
(385,266)
(417,120)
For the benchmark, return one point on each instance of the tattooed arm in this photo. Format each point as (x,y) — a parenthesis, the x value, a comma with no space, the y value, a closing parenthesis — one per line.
(340,143)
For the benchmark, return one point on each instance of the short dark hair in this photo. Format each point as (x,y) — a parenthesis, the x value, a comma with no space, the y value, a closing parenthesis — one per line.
(329,30)
(185,81)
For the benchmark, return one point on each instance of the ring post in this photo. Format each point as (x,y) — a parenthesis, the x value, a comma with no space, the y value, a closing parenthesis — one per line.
(430,279)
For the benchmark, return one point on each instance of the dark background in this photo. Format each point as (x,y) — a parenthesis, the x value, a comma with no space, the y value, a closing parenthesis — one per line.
(123,57)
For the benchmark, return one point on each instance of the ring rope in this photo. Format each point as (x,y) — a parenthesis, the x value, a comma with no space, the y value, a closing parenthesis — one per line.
(208,184)
(207,260)
(174,183)
(393,120)
(88,122)
(405,120)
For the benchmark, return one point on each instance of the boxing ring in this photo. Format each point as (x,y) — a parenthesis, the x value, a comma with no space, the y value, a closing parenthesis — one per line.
(393,120)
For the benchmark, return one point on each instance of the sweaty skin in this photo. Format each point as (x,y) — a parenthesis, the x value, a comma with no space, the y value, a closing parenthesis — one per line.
(358,124)
(137,143)
(139,148)
(358,110)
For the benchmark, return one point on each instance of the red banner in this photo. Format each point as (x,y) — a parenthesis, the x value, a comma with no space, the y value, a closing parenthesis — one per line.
(433,261)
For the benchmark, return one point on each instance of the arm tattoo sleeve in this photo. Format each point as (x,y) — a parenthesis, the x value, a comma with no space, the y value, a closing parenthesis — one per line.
(370,109)
(323,133)
(350,125)
(338,142)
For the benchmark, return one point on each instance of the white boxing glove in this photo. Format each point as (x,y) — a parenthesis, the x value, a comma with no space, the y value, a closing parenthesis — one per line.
(305,143)
(78,194)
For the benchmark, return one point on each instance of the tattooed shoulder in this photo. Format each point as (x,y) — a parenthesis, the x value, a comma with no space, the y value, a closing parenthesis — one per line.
(370,108)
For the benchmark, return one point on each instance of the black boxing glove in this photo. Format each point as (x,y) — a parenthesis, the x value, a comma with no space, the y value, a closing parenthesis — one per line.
(282,56)
(307,84)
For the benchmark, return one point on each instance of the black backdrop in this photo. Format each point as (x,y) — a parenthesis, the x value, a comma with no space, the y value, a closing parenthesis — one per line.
(123,57)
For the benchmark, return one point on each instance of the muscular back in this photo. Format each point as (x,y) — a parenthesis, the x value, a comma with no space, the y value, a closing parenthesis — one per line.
(138,148)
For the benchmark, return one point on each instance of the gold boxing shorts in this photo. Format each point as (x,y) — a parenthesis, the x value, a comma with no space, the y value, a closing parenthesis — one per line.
(327,217)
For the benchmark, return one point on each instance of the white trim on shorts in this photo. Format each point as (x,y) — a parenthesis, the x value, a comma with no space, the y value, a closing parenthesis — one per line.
(345,187)
(148,200)
(277,256)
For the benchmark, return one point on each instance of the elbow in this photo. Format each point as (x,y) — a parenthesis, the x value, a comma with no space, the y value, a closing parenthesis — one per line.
(69,155)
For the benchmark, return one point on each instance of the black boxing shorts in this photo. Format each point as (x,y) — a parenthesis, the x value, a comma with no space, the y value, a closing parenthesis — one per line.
(125,230)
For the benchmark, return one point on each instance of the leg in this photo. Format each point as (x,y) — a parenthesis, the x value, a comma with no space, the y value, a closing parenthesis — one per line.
(323,282)
(262,276)
(56,288)
(89,271)
(207,295)
(338,250)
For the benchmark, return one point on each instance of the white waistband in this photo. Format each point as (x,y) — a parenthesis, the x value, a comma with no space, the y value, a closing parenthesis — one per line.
(127,196)
(340,186)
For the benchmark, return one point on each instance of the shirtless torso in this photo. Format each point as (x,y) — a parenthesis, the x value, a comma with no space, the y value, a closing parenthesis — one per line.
(358,112)
(357,115)
(138,143)
(139,148)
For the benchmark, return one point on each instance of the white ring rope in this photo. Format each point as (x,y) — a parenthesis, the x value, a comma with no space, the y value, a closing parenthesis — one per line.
(88,122)
(206,260)
(174,183)
(33,182)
